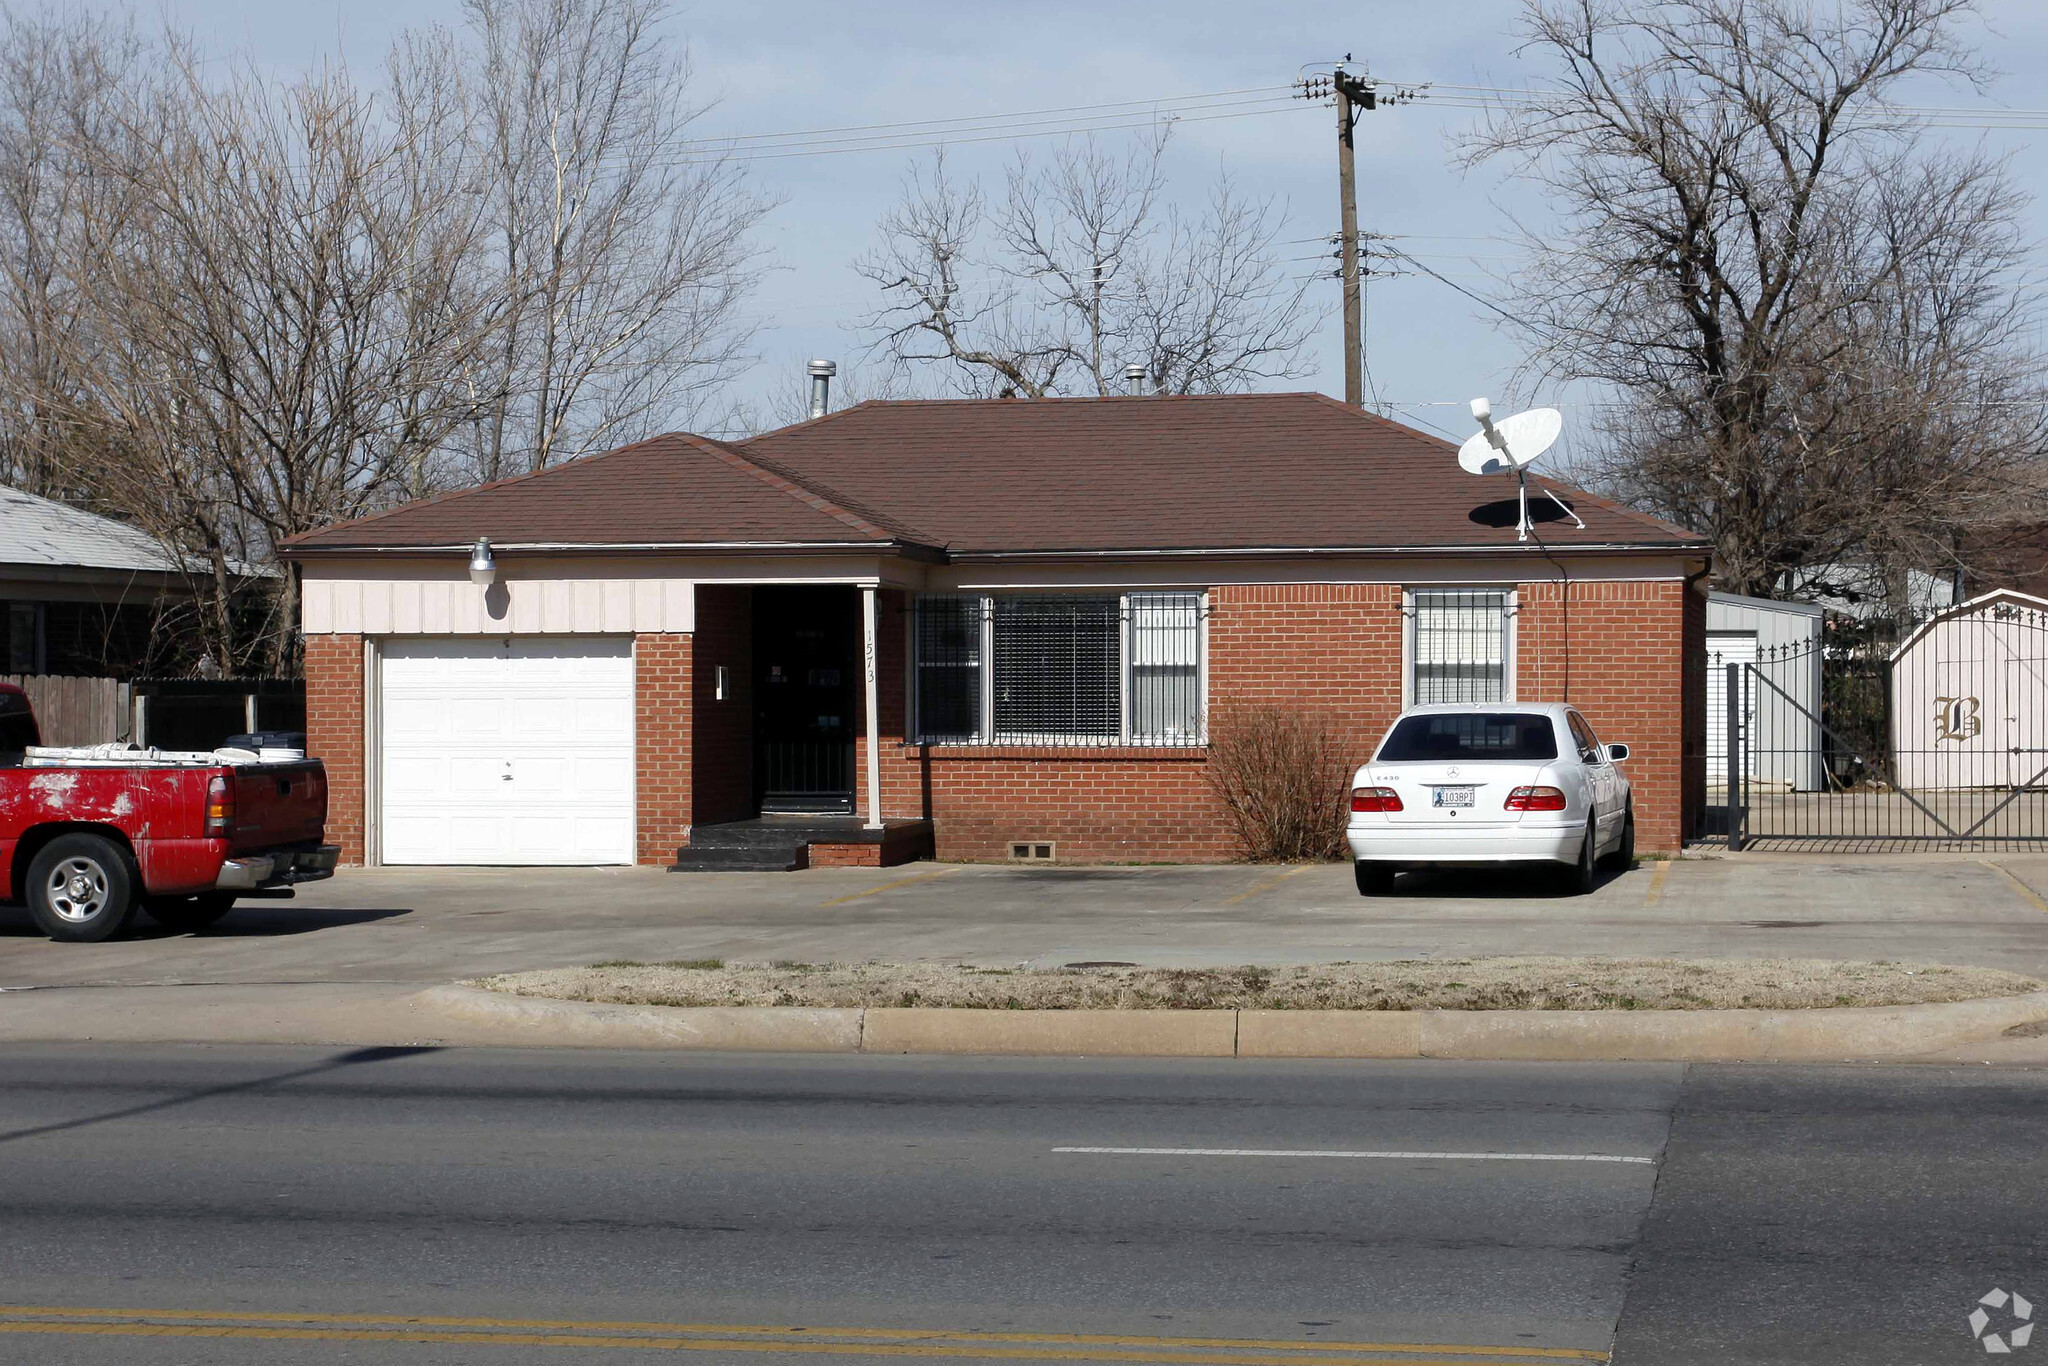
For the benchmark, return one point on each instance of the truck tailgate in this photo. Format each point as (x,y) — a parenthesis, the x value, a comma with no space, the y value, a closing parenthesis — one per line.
(279,804)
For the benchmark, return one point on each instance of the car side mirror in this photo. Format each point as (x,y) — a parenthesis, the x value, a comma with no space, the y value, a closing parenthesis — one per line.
(1616,753)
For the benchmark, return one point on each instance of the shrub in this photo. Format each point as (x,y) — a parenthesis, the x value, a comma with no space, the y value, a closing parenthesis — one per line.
(1281,774)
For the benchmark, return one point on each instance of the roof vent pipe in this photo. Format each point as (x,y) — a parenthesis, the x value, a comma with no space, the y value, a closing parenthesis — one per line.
(1134,379)
(821,386)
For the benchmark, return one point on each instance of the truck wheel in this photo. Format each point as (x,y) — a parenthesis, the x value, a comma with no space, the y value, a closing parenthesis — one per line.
(189,912)
(81,888)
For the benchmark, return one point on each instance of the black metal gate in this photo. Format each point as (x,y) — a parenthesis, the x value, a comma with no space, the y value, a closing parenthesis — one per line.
(1889,735)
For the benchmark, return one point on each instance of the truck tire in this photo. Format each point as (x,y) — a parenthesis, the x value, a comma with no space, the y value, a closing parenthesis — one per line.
(81,888)
(189,912)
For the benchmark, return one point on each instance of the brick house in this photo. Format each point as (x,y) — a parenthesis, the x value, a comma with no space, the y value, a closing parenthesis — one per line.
(990,624)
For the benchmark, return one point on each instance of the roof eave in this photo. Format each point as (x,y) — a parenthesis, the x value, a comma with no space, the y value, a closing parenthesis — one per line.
(909,550)
(1341,551)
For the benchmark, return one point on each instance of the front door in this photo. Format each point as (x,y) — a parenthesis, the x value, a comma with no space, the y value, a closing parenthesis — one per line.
(806,653)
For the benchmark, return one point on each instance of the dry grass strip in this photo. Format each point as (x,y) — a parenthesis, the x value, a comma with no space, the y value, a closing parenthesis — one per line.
(1438,984)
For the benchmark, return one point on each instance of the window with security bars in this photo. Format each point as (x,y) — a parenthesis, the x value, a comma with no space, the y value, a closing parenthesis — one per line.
(1459,646)
(1058,668)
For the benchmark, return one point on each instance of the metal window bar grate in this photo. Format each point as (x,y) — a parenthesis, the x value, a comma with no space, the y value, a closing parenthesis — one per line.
(1058,669)
(1459,646)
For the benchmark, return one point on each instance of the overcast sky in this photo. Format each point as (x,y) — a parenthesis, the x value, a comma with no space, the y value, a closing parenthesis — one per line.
(807,64)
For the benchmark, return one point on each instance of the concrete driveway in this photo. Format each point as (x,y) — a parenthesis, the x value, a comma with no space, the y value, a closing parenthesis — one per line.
(434,925)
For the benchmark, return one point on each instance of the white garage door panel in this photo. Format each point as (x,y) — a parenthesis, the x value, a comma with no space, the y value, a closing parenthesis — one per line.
(507,752)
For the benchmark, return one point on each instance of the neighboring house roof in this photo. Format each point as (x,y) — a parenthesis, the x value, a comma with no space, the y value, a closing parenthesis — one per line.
(1274,473)
(38,532)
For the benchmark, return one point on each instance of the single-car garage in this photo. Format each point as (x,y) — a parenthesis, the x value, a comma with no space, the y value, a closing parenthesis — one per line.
(507,750)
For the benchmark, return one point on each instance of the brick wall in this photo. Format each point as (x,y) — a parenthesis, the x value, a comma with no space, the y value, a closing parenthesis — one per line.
(1332,649)
(661,737)
(1615,650)
(722,734)
(334,734)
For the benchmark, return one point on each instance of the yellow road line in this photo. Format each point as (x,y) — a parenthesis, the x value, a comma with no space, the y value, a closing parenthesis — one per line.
(1268,885)
(2032,897)
(1657,876)
(887,887)
(781,1338)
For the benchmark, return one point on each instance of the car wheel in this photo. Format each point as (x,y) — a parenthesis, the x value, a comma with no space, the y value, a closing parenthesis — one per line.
(1624,856)
(81,889)
(1578,879)
(189,912)
(1374,879)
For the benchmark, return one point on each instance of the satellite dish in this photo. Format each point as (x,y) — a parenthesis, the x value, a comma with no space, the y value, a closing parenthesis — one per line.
(1510,446)
(1498,448)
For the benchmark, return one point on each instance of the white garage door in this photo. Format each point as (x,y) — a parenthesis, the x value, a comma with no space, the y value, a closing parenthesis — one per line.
(507,751)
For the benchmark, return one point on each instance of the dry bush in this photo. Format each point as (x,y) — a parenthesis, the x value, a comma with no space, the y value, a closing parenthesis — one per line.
(1281,774)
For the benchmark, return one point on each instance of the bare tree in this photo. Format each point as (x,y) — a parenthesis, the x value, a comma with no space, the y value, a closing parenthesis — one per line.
(1816,322)
(281,323)
(63,83)
(624,248)
(1081,270)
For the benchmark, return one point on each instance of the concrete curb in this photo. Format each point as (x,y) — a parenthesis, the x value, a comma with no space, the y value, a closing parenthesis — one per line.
(1827,1035)
(540,1022)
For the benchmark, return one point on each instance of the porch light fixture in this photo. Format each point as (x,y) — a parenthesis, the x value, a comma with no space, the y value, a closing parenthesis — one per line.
(483,566)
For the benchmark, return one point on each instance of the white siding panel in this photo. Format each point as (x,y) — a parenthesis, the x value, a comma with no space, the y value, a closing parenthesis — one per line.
(348,608)
(450,606)
(316,611)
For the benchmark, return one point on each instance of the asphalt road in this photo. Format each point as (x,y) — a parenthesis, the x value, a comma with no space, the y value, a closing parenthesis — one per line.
(185,1205)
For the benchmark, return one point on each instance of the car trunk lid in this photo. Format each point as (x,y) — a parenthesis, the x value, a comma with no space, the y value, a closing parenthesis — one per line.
(1430,792)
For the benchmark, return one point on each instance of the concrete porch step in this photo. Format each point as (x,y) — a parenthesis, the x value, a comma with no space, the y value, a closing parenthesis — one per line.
(787,843)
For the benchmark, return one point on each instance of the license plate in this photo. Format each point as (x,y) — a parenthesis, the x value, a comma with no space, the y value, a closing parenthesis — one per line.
(1451,796)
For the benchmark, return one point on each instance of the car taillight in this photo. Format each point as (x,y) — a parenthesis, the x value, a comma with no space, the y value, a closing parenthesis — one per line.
(1375,799)
(1535,799)
(220,807)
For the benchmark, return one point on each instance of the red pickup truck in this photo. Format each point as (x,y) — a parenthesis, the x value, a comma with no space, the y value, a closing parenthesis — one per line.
(88,837)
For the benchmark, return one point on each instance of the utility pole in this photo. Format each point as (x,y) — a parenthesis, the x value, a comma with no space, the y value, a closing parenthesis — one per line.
(1352,96)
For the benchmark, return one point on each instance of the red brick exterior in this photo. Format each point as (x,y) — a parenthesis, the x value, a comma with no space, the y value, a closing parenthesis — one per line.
(1334,649)
(662,744)
(1619,663)
(334,734)
(722,733)
(1627,653)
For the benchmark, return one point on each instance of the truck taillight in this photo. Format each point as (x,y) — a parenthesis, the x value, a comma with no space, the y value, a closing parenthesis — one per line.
(1535,799)
(1375,799)
(220,807)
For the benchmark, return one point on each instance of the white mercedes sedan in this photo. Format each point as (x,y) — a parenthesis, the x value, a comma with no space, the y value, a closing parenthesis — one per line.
(1495,782)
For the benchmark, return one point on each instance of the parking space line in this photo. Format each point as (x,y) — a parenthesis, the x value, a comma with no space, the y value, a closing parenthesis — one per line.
(1268,885)
(2032,897)
(888,887)
(1657,876)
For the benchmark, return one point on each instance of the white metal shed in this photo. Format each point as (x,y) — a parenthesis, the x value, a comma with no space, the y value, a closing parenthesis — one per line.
(1970,696)
(1782,721)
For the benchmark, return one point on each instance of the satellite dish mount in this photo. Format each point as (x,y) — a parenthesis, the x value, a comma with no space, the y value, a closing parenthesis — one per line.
(1510,447)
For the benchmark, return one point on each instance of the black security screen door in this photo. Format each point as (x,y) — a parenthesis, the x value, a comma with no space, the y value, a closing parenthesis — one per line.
(806,698)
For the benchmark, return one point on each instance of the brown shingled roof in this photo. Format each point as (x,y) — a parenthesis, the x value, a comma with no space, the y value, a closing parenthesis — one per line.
(1018,476)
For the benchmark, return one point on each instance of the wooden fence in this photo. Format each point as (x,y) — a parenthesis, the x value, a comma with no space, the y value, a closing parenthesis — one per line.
(77,711)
